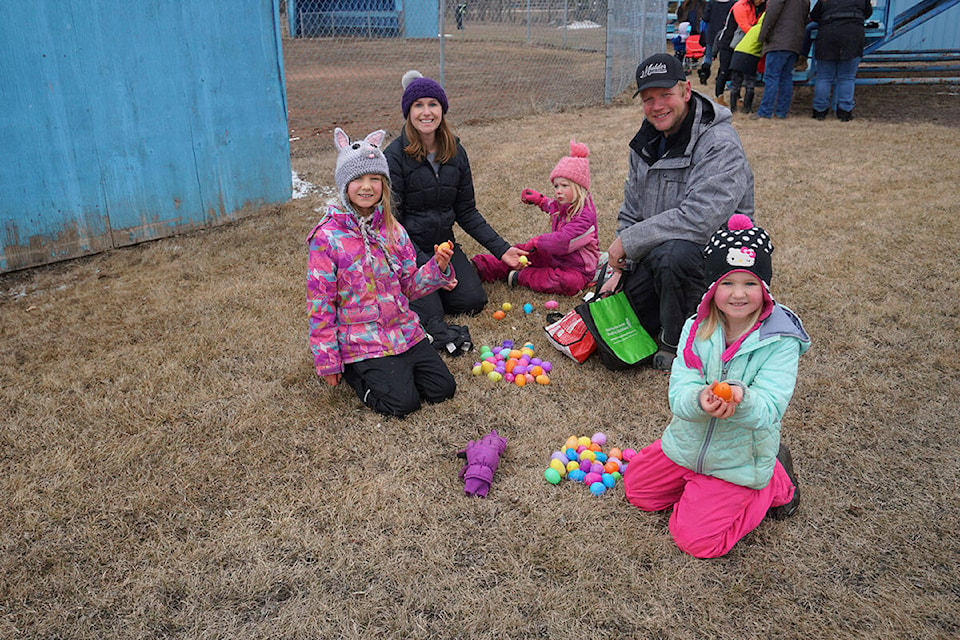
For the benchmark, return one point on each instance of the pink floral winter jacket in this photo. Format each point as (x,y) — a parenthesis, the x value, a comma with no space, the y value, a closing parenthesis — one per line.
(359,307)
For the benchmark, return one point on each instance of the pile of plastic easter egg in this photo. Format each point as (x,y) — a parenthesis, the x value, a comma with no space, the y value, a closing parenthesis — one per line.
(513,365)
(583,461)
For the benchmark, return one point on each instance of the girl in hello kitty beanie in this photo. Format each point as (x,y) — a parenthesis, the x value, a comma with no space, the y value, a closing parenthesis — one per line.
(720,465)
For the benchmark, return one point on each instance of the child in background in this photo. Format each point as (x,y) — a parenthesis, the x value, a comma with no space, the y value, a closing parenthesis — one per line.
(362,272)
(564,260)
(747,58)
(719,464)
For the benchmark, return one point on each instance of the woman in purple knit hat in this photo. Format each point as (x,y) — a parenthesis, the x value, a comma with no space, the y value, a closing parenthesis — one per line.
(433,190)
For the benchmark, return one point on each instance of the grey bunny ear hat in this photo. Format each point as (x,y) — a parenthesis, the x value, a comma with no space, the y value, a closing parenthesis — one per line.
(358,158)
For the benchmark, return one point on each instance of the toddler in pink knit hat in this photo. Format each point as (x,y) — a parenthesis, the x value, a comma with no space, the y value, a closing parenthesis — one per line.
(564,260)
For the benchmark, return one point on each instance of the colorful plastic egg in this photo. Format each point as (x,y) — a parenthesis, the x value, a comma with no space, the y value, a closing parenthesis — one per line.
(547,366)
(573,464)
(608,480)
(552,476)
(520,380)
(495,376)
(477,369)
(506,306)
(559,466)
(592,477)
(597,488)
(499,315)
(615,453)
(571,453)
(542,379)
(627,454)
(599,437)
(551,304)
(528,308)
(583,441)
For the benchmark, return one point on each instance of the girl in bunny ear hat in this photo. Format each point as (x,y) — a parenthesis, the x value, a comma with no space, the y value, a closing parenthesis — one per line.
(361,275)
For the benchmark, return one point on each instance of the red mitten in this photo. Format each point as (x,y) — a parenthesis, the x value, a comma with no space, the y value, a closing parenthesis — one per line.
(529,196)
(483,457)
(530,246)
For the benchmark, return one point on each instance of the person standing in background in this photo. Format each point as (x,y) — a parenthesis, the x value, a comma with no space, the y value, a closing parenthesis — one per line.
(839,46)
(782,39)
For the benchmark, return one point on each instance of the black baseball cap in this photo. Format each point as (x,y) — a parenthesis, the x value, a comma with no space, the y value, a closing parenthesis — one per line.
(659,70)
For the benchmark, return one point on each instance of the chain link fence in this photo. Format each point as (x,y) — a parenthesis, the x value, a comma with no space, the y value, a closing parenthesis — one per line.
(344,59)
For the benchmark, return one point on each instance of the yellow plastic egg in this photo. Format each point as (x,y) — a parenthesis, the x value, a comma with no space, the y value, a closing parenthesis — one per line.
(571,443)
(573,464)
(583,441)
(506,306)
(556,464)
(486,367)
(543,379)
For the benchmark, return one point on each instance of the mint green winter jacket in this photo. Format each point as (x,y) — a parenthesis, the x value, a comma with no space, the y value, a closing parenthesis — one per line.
(740,449)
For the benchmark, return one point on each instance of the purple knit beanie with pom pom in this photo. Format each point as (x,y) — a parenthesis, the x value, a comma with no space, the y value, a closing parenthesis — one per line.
(415,86)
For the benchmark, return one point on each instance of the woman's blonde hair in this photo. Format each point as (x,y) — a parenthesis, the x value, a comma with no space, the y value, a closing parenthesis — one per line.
(446,142)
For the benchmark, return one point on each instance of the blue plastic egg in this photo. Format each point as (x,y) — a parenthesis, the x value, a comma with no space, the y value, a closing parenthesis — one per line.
(597,488)
(608,480)
(528,308)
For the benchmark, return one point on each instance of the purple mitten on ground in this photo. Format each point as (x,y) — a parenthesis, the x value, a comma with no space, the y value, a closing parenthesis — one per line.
(482,456)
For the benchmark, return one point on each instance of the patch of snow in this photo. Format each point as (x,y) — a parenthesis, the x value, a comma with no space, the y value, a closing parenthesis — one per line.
(585,24)
(300,187)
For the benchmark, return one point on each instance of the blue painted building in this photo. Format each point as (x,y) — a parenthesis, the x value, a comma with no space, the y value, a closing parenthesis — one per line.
(363,18)
(127,121)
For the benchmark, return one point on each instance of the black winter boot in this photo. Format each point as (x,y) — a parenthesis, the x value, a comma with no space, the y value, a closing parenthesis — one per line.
(704,73)
(748,101)
(844,116)
(786,510)
(819,115)
(734,98)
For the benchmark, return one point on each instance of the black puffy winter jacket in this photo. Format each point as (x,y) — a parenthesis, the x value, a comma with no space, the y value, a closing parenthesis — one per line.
(428,203)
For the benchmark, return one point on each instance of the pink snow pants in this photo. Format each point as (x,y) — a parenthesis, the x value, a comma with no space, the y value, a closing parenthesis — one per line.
(565,282)
(709,514)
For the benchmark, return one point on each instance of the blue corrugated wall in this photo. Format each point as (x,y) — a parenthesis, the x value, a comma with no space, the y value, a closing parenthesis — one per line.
(127,121)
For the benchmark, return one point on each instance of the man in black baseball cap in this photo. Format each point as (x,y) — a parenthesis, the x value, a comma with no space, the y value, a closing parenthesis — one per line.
(659,70)
(687,175)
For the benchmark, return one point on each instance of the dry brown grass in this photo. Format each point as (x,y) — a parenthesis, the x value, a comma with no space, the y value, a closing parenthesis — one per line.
(171,468)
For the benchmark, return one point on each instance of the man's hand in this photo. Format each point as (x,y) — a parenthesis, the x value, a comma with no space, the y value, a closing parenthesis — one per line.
(616,257)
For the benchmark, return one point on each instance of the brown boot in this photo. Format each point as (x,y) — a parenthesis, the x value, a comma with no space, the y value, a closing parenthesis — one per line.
(720,100)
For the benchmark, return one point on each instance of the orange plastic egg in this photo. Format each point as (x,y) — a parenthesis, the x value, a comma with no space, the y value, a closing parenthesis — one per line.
(543,379)
(723,391)
(499,315)
(520,381)
(615,453)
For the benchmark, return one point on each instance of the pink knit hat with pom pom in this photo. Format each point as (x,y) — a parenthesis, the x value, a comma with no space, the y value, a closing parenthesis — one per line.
(739,245)
(574,167)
